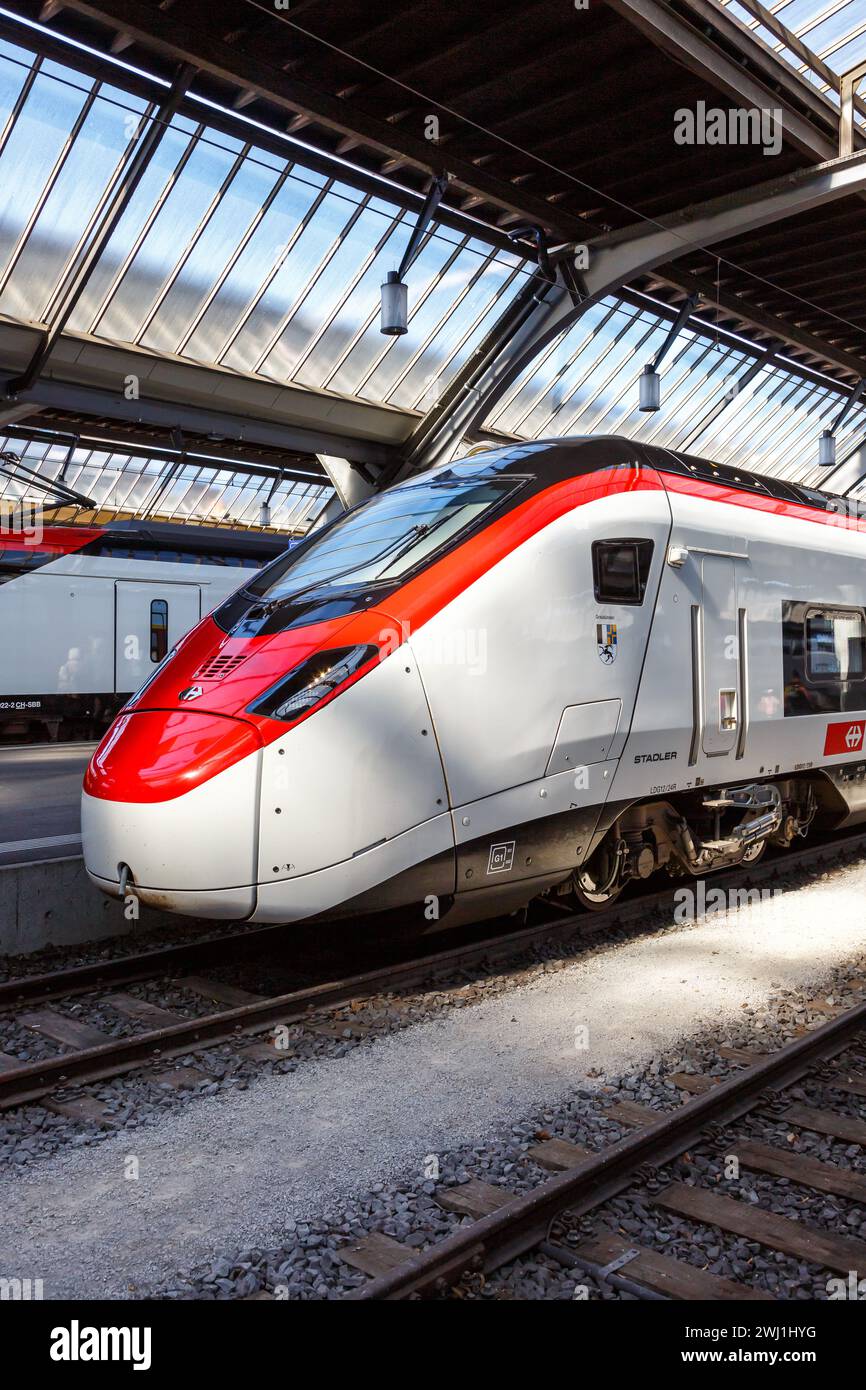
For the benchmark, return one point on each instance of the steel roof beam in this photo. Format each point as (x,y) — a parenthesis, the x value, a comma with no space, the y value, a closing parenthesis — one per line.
(166,33)
(796,45)
(777,85)
(549,310)
(848,84)
(788,333)
(11,413)
(352,483)
(72,398)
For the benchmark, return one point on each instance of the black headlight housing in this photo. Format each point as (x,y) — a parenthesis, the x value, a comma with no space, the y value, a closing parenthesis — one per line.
(312,682)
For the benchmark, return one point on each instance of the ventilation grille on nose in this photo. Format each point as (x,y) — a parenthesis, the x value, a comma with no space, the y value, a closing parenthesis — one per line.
(217,667)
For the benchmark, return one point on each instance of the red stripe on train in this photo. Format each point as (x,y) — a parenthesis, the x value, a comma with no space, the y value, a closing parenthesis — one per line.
(54,540)
(756,501)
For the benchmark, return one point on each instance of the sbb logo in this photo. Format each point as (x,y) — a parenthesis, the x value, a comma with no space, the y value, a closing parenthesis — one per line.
(844,738)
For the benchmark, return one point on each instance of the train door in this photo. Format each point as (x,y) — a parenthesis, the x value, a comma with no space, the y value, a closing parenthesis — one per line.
(149,619)
(723,658)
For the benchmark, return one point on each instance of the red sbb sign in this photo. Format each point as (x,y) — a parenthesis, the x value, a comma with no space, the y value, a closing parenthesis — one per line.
(845,738)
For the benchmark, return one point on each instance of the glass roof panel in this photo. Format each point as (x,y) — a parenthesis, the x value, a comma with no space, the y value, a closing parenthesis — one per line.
(34,148)
(135,484)
(131,230)
(366,348)
(851,53)
(168,237)
(70,199)
(196,276)
(294,264)
(588,383)
(476,308)
(342,285)
(257,263)
(225,254)
(834,31)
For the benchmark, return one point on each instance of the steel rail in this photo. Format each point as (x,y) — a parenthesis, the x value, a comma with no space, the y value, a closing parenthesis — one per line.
(524,1223)
(145,965)
(29,1082)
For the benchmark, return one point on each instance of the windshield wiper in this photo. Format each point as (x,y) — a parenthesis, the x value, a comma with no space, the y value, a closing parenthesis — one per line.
(402,544)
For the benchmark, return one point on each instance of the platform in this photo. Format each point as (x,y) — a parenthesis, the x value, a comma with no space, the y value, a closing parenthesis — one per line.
(46,898)
(40,795)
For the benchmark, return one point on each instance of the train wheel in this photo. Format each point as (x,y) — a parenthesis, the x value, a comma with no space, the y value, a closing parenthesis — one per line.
(754,853)
(591,895)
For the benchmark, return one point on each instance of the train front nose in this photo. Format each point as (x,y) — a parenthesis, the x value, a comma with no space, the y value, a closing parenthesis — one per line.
(173,795)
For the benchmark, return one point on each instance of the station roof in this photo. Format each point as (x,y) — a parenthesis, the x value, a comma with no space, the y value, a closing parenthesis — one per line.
(243,277)
(181,488)
(546,112)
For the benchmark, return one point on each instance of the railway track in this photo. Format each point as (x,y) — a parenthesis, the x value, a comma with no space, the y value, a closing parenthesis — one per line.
(503,1226)
(88,1057)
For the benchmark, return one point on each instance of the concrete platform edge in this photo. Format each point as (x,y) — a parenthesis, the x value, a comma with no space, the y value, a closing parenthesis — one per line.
(54,903)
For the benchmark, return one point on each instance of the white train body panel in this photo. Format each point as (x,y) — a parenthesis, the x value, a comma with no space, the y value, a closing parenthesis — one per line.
(79,625)
(378,736)
(781,564)
(528,631)
(58,632)
(189,845)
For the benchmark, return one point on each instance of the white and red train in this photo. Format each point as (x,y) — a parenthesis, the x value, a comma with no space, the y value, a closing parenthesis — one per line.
(556,666)
(87,612)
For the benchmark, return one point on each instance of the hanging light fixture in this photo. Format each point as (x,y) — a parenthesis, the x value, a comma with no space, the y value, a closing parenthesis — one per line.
(394,294)
(650,397)
(827,438)
(265,508)
(394,317)
(827,449)
(650,388)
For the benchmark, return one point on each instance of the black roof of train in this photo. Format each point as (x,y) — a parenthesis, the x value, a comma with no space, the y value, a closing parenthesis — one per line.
(553,460)
(743,479)
(171,535)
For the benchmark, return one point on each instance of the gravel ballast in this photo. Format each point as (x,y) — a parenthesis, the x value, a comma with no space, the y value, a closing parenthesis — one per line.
(294,1163)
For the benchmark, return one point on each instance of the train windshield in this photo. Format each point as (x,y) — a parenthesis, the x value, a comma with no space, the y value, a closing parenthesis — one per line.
(391,535)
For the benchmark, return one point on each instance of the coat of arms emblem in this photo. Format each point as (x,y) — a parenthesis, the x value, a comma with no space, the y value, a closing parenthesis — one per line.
(605,636)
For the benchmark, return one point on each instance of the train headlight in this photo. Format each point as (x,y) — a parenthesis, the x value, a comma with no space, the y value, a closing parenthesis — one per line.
(311,683)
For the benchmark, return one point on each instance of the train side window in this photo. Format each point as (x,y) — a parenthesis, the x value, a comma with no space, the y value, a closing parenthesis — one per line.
(158,629)
(620,570)
(835,645)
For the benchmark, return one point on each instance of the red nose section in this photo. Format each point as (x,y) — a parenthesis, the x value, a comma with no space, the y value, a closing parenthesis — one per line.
(160,754)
